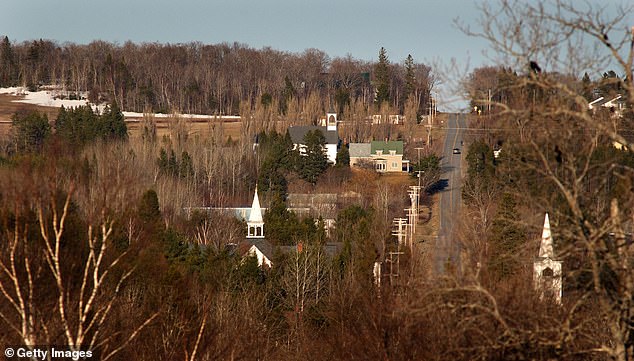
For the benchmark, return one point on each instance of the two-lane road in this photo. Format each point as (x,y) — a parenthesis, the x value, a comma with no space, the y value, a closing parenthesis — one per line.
(447,248)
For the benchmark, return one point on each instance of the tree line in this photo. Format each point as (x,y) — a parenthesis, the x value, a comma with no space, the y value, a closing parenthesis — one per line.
(211,79)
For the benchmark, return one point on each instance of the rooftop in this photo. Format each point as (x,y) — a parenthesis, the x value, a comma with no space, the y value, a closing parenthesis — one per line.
(298,132)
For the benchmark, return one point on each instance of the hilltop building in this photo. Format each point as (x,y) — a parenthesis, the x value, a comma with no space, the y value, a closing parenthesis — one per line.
(384,156)
(328,128)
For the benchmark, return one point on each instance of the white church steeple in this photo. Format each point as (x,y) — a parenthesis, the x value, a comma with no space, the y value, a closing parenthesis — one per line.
(546,245)
(255,222)
(546,270)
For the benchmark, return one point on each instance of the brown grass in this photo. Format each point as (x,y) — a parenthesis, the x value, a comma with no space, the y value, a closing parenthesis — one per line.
(201,128)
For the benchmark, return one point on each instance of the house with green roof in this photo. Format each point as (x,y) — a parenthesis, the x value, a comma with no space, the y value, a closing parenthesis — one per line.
(384,156)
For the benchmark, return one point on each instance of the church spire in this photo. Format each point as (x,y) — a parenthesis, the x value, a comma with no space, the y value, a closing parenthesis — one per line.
(256,210)
(255,222)
(546,246)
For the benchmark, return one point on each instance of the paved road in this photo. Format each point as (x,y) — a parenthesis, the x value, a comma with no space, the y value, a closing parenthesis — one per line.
(447,249)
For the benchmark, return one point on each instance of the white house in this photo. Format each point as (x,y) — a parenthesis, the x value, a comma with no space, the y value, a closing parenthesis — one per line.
(546,270)
(329,130)
(616,104)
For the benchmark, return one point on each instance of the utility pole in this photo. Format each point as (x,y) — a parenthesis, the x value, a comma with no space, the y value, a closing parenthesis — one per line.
(395,256)
(418,149)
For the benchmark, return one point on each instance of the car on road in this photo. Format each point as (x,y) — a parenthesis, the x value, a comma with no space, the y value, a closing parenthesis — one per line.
(456,151)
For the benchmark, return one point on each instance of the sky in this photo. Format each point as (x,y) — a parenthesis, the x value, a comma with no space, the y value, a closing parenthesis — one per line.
(423,28)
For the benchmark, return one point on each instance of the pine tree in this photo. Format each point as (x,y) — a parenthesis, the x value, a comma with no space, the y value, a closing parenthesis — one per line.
(382,79)
(7,64)
(410,77)
(186,166)
(343,156)
(587,87)
(282,225)
(314,162)
(480,160)
(163,161)
(113,124)
(506,239)
(149,210)
(29,131)
(172,163)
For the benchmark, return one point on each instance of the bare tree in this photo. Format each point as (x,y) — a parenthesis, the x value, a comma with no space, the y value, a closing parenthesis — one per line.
(85,289)
(549,43)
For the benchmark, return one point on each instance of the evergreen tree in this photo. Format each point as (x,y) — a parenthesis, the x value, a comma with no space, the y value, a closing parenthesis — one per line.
(480,161)
(81,125)
(506,239)
(8,68)
(382,79)
(172,163)
(343,156)
(162,160)
(353,231)
(277,158)
(315,161)
(282,225)
(427,164)
(410,77)
(112,124)
(149,210)
(587,87)
(186,166)
(271,181)
(29,131)
(480,170)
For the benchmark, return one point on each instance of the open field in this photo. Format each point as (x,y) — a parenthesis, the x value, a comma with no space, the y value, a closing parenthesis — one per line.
(197,127)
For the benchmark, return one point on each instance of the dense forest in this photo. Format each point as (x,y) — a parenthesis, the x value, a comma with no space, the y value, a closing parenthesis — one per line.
(211,79)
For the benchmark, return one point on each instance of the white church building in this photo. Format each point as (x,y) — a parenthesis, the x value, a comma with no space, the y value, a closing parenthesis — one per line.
(547,276)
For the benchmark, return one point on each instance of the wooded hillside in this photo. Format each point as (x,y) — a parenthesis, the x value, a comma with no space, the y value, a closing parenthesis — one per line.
(208,79)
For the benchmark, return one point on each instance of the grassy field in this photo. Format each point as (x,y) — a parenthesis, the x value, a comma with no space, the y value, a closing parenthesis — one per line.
(202,128)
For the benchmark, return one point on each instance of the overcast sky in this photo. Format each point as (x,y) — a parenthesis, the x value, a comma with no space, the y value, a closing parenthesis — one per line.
(423,28)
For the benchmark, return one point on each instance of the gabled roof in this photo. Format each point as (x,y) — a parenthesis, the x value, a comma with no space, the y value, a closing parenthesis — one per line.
(264,246)
(298,132)
(386,146)
(359,150)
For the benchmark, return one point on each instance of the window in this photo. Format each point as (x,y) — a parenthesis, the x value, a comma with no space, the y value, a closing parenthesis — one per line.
(379,152)
(548,272)
(392,152)
(394,165)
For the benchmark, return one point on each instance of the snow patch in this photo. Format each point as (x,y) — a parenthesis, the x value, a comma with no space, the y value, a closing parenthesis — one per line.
(50,98)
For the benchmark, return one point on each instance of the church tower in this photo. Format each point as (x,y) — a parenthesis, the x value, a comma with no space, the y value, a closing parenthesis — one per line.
(331,121)
(546,270)
(255,222)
